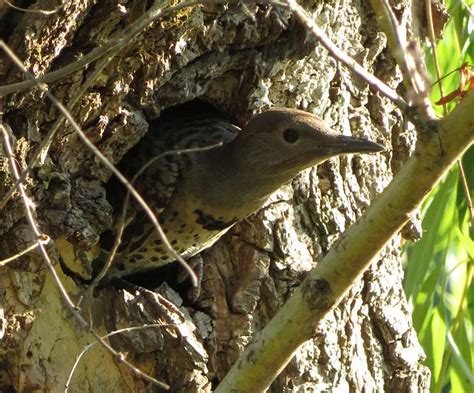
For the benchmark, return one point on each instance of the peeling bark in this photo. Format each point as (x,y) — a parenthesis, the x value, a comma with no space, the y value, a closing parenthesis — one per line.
(239,59)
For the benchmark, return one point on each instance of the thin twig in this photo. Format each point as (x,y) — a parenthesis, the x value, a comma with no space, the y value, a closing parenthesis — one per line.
(45,240)
(119,331)
(28,205)
(467,192)
(413,79)
(429,17)
(107,163)
(43,12)
(91,345)
(457,69)
(398,44)
(341,56)
(121,358)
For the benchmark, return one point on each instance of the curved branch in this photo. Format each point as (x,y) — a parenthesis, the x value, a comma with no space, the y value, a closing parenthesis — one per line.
(327,284)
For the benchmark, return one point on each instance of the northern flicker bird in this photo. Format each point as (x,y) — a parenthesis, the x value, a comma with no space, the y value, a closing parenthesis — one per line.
(199,196)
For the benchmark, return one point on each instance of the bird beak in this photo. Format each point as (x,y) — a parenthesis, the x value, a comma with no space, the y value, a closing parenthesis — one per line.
(342,144)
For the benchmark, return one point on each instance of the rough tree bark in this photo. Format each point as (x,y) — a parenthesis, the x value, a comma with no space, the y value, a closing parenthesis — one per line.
(239,59)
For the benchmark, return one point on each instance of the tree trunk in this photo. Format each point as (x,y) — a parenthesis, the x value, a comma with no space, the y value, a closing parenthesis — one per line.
(238,59)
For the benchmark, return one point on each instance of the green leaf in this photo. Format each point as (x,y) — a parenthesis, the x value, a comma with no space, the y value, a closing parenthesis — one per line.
(461,374)
(437,342)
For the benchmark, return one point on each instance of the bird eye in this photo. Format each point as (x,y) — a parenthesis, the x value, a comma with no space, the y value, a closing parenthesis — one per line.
(290,135)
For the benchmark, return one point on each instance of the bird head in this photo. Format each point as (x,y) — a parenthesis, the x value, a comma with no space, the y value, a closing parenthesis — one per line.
(283,142)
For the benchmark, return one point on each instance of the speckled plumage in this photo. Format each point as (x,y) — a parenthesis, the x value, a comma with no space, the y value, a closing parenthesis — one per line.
(199,196)
(142,248)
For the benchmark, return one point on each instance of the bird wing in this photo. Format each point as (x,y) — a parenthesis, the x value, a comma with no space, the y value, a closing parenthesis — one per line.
(166,145)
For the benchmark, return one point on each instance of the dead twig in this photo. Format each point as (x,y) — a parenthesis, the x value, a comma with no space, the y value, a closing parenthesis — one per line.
(45,240)
(113,333)
(375,83)
(407,57)
(42,12)
(29,210)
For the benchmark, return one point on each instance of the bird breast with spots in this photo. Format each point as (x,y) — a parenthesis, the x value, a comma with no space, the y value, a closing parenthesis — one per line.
(190,226)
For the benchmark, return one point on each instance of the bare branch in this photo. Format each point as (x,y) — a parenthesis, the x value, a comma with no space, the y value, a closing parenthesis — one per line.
(33,11)
(45,240)
(408,59)
(28,205)
(341,56)
(113,333)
